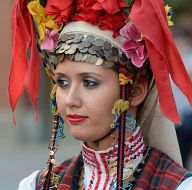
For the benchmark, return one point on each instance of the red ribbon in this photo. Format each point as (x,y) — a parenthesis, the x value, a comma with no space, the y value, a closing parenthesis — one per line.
(25,68)
(150,19)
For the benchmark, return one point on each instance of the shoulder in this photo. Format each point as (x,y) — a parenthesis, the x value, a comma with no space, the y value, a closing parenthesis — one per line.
(64,166)
(164,171)
(29,183)
(59,170)
(165,161)
(169,166)
(186,184)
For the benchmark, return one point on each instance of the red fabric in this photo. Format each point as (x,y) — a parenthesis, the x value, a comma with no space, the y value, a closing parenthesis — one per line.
(24,73)
(149,18)
(110,8)
(61,9)
(64,170)
(106,22)
(161,173)
(64,187)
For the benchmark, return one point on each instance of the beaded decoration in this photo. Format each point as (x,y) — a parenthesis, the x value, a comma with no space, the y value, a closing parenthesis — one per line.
(120,106)
(87,48)
(54,109)
(50,179)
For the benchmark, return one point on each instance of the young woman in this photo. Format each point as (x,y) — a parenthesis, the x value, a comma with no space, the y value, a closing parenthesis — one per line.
(104,91)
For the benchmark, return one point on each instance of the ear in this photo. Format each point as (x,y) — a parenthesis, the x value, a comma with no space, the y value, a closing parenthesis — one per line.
(139,93)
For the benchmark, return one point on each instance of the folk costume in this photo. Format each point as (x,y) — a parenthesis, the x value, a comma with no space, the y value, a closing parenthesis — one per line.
(131,37)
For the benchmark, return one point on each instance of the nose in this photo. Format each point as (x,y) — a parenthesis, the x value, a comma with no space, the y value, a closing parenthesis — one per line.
(73,97)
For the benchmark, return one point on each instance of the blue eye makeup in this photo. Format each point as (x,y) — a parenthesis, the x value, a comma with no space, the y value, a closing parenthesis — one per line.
(87,82)
(63,83)
(90,83)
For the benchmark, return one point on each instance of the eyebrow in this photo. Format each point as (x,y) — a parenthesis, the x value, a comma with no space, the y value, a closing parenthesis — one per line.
(59,74)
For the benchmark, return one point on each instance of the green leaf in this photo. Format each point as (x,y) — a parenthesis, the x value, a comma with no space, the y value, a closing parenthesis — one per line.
(129,1)
(126,11)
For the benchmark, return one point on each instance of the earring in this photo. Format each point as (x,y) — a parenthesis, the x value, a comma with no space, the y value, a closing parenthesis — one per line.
(53,105)
(120,106)
(130,124)
(60,130)
(54,111)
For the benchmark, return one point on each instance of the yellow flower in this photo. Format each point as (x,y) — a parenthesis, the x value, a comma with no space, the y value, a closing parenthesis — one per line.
(120,106)
(41,19)
(168,10)
(124,80)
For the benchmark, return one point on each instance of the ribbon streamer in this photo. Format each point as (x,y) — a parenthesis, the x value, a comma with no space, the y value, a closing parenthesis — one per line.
(150,19)
(25,68)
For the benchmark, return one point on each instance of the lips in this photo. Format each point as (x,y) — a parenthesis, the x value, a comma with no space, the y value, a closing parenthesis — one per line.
(75,119)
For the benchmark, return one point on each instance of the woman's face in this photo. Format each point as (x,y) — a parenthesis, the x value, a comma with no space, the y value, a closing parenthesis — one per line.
(85,97)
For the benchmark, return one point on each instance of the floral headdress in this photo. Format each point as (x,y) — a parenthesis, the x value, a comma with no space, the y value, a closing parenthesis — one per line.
(143,38)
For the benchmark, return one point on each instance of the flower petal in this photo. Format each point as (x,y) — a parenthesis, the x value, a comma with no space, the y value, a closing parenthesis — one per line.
(137,61)
(129,44)
(48,44)
(140,51)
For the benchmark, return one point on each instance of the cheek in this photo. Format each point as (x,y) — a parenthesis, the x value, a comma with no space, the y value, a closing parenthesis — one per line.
(102,106)
(60,101)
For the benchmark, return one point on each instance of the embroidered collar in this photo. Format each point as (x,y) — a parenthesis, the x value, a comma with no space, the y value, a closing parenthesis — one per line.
(100,167)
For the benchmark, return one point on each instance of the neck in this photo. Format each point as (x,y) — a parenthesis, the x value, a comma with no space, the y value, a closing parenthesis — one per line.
(111,138)
(107,141)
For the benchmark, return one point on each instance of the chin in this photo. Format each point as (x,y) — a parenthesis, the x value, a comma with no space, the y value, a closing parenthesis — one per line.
(77,134)
(83,136)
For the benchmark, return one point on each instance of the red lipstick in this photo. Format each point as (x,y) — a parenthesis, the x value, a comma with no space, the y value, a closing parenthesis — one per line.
(75,119)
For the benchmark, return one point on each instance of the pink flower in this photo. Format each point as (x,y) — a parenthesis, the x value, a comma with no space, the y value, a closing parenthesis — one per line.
(133,45)
(50,40)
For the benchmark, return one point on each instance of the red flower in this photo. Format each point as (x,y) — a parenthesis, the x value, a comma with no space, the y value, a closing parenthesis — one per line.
(86,13)
(90,17)
(83,5)
(61,9)
(110,6)
(112,22)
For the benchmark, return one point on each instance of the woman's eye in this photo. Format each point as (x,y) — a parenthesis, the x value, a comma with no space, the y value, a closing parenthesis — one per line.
(90,83)
(63,83)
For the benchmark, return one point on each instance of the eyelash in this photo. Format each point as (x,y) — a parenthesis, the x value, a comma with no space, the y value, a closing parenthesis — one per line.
(86,83)
(61,83)
(90,83)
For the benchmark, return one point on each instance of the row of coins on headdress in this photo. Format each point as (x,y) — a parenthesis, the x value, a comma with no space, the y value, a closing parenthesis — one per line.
(88,48)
